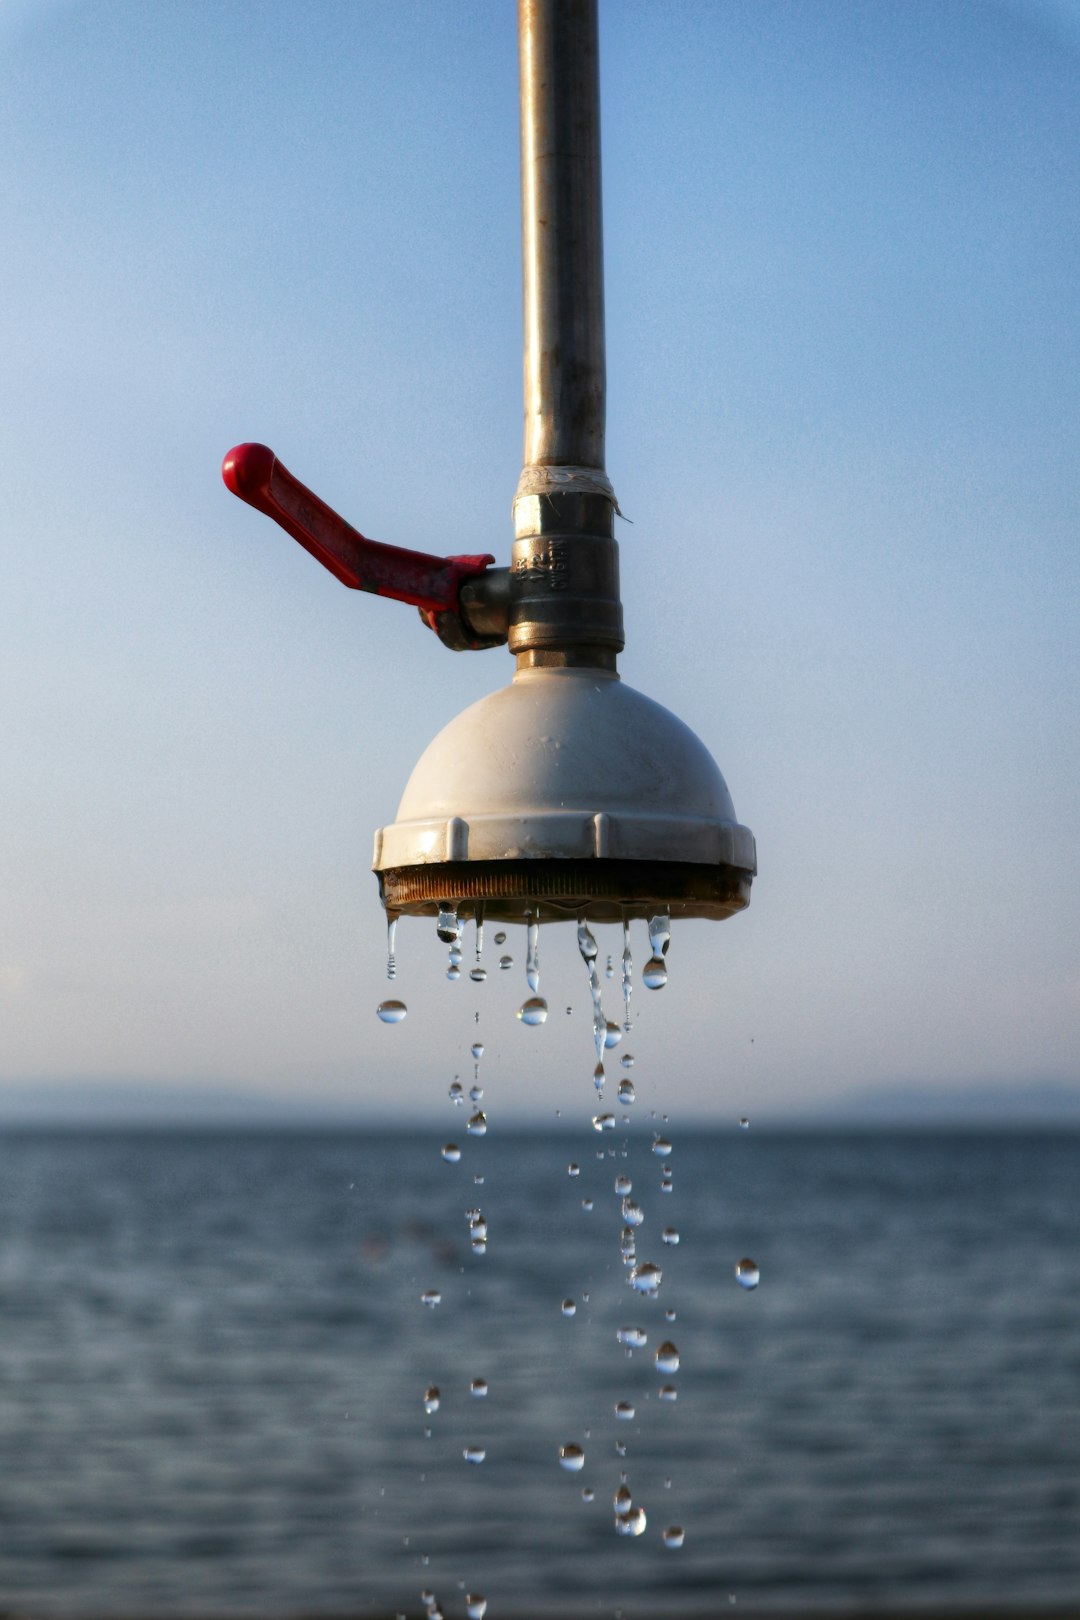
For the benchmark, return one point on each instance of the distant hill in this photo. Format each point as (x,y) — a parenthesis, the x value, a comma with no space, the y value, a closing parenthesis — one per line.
(987,1103)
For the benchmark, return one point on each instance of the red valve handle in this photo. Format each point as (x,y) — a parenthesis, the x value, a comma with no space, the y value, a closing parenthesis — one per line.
(432,584)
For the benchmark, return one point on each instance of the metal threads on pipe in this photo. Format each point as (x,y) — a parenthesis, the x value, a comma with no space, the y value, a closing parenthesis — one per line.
(564,582)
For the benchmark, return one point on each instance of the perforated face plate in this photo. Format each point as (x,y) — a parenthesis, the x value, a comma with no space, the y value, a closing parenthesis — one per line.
(607,890)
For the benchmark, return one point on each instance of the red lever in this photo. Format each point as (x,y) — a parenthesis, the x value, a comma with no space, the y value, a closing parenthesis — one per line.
(432,584)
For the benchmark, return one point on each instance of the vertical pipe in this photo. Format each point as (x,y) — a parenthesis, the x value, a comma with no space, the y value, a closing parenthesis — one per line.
(564,582)
(562,233)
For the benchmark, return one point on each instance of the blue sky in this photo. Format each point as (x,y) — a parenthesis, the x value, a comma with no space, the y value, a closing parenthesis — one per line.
(842,247)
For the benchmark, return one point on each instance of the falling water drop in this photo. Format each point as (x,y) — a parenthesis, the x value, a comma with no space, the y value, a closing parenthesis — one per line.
(744,1124)
(430,1297)
(474,1454)
(598,1077)
(668,1392)
(624,1410)
(476,1093)
(534,1011)
(627,1060)
(623,1185)
(448,927)
(573,1169)
(479,1388)
(477,1050)
(646,1278)
(478,974)
(667,1358)
(612,1035)
(456,1093)
(391,935)
(669,1235)
(632,1523)
(391,1012)
(632,1213)
(654,973)
(454,955)
(500,938)
(609,969)
(532,955)
(674,1535)
(661,1147)
(477,1125)
(603,1122)
(431,1399)
(622,1501)
(572,1458)
(587,1493)
(587,1204)
(452,1153)
(506,962)
(633,1337)
(747,1273)
(475,1606)
(453,973)
(626,1092)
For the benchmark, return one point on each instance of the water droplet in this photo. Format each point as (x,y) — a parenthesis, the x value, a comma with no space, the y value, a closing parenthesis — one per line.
(474,1454)
(603,1122)
(454,956)
(534,1011)
(572,1458)
(587,1493)
(500,938)
(623,1185)
(479,1388)
(431,1399)
(477,1125)
(532,952)
(391,1012)
(456,1093)
(506,962)
(477,1050)
(626,1092)
(669,1235)
(430,1296)
(668,1392)
(609,970)
(632,1213)
(573,1169)
(627,1060)
(612,1035)
(476,1093)
(478,974)
(448,927)
(451,1153)
(391,934)
(744,1124)
(624,1410)
(598,1077)
(453,974)
(646,1278)
(654,973)
(633,1337)
(568,1307)
(622,1501)
(669,1314)
(748,1274)
(586,1204)
(477,1224)
(661,1147)
(475,1606)
(569,1010)
(674,1535)
(632,1523)
(660,933)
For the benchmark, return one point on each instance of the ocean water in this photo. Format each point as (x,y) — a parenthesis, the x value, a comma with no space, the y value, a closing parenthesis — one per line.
(213,1356)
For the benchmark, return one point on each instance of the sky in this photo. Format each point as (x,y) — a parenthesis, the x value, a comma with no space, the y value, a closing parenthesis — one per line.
(844,400)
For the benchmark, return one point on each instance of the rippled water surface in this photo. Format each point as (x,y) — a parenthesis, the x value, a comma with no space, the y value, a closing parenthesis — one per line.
(214,1359)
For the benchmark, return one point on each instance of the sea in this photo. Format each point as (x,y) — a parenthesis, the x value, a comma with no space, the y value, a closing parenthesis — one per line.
(215,1349)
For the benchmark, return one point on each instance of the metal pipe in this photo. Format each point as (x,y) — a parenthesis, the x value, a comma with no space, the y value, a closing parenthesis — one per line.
(562,233)
(564,580)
